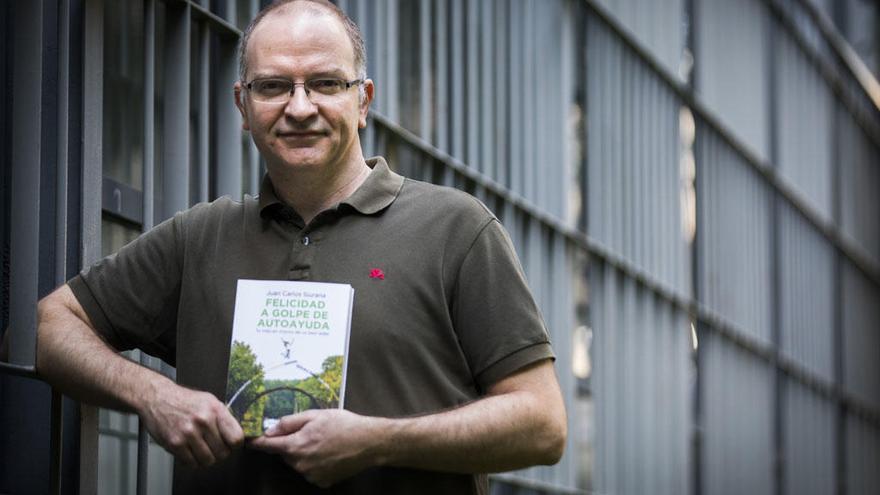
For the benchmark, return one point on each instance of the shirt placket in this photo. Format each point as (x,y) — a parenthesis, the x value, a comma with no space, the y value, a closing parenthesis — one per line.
(303,254)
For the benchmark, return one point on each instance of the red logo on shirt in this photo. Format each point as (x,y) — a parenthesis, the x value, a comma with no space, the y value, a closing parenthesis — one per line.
(377,273)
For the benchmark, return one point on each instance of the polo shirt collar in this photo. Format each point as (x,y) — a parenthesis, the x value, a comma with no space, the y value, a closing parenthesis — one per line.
(378,191)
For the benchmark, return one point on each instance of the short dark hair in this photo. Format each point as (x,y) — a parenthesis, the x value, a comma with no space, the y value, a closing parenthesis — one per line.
(351,29)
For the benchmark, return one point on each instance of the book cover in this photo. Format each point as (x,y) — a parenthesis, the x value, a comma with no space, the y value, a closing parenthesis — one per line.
(289,350)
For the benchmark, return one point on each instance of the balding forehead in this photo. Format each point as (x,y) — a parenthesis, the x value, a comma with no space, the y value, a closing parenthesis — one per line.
(303,8)
(291,14)
(295,10)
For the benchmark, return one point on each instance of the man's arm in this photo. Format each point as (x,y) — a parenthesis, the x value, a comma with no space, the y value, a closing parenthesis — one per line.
(194,426)
(521,422)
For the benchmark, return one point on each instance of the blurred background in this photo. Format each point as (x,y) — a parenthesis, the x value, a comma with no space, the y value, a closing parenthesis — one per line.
(693,187)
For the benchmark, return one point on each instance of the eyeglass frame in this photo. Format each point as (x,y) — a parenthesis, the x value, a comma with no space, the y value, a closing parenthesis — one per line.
(348,85)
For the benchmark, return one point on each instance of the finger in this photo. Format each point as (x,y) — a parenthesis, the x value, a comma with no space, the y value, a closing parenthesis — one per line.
(215,442)
(201,452)
(184,454)
(230,430)
(290,424)
(272,445)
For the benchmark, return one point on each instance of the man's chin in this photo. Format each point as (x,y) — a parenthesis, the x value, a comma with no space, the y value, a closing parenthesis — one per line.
(303,161)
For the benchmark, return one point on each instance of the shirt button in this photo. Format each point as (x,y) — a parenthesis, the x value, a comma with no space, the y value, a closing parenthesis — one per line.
(305,240)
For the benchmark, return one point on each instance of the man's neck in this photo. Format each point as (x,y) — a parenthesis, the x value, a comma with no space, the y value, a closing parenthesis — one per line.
(310,192)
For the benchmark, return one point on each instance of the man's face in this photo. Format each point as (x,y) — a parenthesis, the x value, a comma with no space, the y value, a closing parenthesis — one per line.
(298,44)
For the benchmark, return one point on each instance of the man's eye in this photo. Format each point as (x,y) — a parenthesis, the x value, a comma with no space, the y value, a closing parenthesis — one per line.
(271,86)
(325,85)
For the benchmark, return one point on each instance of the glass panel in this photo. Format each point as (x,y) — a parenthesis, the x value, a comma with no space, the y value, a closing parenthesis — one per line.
(409,66)
(124,92)
(115,234)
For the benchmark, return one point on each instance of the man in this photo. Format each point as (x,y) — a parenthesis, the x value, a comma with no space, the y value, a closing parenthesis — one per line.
(450,371)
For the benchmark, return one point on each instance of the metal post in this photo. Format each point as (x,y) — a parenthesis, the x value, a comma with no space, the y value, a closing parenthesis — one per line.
(27,154)
(228,136)
(775,225)
(204,111)
(93,107)
(837,333)
(143,438)
(176,122)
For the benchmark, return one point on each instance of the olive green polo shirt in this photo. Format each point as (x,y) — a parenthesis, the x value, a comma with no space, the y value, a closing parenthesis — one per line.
(441,307)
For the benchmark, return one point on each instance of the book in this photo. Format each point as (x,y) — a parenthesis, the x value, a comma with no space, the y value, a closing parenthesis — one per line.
(289,350)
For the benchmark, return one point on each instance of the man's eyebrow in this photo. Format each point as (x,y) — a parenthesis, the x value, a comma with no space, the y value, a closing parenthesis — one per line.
(332,72)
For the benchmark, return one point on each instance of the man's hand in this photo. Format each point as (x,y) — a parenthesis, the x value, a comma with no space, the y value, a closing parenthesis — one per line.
(193,426)
(520,423)
(325,446)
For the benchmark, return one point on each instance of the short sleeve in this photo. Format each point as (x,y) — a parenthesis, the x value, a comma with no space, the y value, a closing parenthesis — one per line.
(495,316)
(132,296)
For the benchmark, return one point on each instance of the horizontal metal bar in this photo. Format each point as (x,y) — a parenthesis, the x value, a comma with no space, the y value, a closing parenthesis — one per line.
(698,310)
(200,12)
(122,200)
(829,230)
(543,486)
(122,435)
(842,49)
(18,370)
(829,73)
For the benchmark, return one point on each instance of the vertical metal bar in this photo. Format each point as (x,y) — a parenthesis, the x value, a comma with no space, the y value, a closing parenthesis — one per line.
(204,109)
(592,183)
(25,190)
(426,81)
(149,111)
(375,37)
(143,441)
(61,167)
(627,164)
(487,66)
(695,481)
(837,333)
(619,150)
(93,101)
(55,442)
(457,99)
(61,225)
(473,91)
(775,225)
(442,84)
(516,96)
(252,153)
(502,121)
(658,164)
(228,143)
(231,11)
(533,125)
(392,74)
(524,67)
(176,130)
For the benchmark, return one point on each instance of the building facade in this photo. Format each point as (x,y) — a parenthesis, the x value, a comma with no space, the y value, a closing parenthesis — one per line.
(693,187)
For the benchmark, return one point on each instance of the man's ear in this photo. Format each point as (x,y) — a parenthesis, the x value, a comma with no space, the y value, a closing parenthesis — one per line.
(237,89)
(365,103)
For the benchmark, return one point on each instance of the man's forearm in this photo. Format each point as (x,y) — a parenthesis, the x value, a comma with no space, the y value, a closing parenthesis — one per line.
(498,433)
(194,426)
(74,359)
(520,423)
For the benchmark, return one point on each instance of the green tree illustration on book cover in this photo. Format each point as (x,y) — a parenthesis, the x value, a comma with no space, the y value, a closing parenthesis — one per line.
(288,350)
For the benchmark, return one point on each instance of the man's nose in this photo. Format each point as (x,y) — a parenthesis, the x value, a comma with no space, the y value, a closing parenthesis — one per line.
(300,107)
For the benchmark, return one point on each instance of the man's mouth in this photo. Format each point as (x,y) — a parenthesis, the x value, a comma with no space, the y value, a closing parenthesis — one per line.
(300,134)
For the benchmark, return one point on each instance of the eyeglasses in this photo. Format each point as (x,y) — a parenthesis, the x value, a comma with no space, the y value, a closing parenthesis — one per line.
(280,90)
